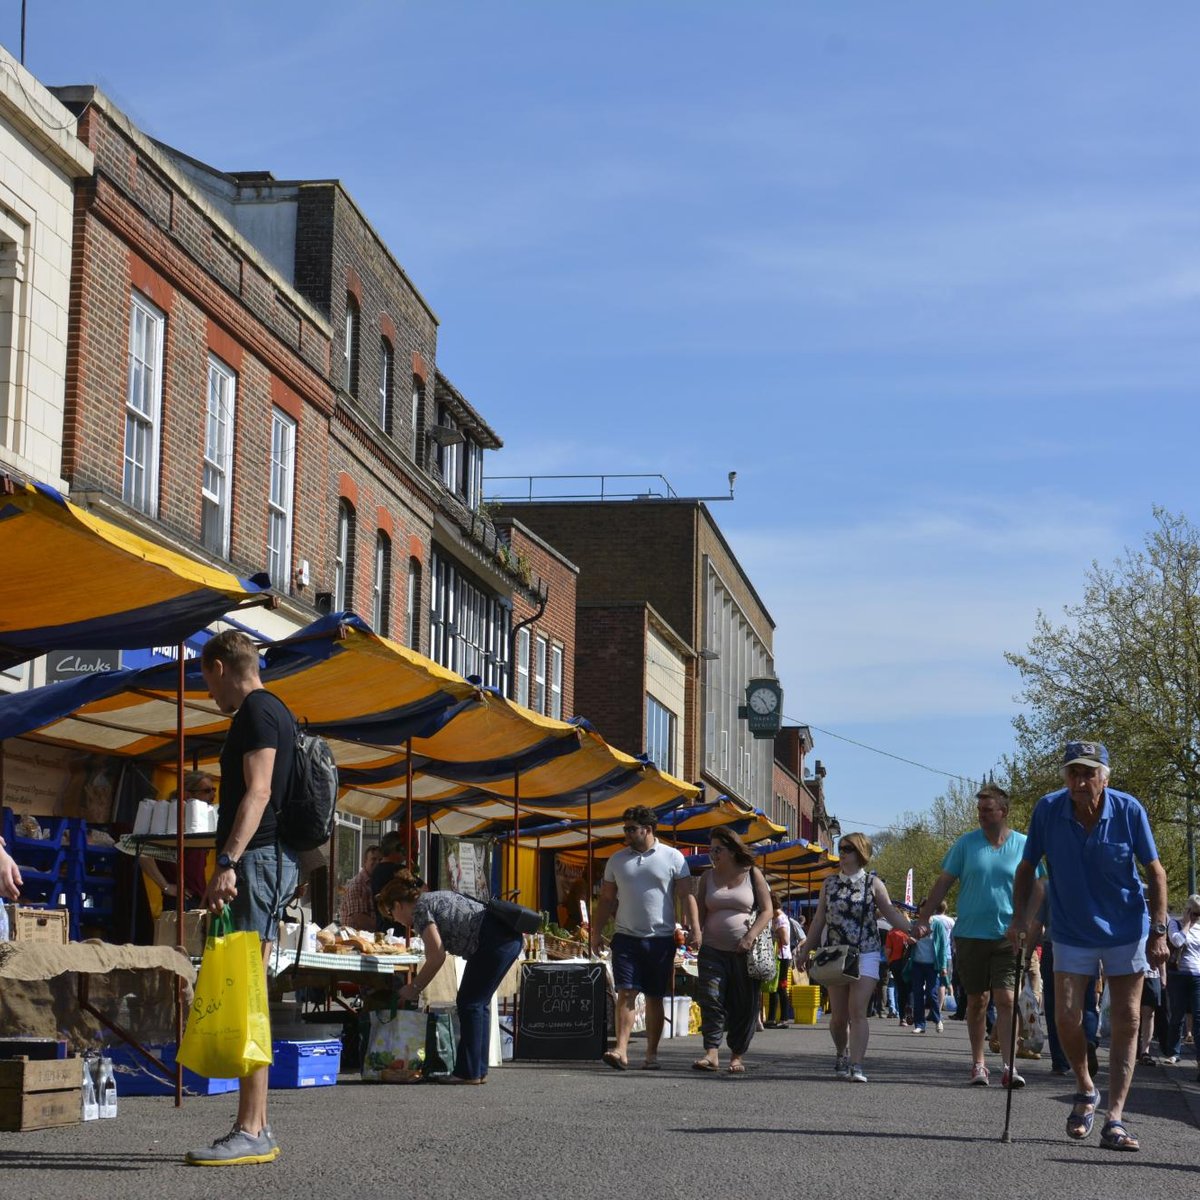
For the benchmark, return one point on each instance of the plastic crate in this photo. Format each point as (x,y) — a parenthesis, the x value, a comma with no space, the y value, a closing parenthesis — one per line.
(136,1077)
(305,1064)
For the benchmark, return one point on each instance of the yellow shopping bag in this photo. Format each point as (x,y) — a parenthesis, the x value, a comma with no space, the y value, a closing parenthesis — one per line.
(228,1034)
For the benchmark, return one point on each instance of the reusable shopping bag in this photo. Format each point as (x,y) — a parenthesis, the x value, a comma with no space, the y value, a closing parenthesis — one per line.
(395,1051)
(1034,1027)
(441,1042)
(228,1034)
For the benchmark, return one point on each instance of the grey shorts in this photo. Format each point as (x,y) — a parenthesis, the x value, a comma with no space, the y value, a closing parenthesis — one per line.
(266,880)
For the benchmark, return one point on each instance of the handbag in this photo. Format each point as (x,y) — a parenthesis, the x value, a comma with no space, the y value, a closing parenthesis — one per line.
(834,965)
(760,958)
(228,1034)
(515,916)
(396,1046)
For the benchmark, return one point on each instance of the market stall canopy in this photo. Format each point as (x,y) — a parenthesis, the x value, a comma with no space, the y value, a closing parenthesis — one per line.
(792,868)
(370,698)
(77,581)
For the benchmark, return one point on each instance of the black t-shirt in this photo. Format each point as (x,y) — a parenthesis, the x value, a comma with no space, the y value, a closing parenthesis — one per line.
(262,722)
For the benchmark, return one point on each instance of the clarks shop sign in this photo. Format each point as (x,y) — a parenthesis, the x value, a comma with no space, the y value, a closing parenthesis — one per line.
(67,664)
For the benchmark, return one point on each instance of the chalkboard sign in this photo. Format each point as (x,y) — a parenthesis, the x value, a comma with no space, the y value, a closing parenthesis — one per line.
(561,1011)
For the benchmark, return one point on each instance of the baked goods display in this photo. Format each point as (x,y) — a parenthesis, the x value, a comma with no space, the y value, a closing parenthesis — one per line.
(340,939)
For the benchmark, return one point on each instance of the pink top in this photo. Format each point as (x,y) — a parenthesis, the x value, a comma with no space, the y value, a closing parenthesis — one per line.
(727,912)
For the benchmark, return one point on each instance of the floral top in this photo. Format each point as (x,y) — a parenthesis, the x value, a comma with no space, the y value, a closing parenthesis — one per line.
(458,919)
(850,912)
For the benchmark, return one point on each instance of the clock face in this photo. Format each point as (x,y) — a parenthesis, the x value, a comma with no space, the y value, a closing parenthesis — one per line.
(764,701)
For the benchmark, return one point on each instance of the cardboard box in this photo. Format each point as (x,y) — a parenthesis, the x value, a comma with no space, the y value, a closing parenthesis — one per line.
(47,926)
(195,926)
(40,1094)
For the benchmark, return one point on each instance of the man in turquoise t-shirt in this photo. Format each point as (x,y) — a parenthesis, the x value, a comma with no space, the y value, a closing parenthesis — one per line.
(984,863)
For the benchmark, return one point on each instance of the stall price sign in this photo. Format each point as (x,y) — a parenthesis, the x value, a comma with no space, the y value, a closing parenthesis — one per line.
(561,1011)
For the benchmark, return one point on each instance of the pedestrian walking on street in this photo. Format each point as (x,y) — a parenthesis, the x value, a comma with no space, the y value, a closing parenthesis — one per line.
(255,873)
(735,906)
(641,885)
(1092,837)
(848,915)
(779,1003)
(1183,982)
(930,962)
(896,950)
(984,862)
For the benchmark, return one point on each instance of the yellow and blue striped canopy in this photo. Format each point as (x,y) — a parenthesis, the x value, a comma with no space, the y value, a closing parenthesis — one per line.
(73,580)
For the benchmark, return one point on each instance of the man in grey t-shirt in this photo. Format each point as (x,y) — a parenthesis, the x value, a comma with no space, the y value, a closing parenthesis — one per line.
(641,883)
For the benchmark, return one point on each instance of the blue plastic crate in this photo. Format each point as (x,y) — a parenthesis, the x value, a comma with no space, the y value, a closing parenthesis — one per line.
(305,1064)
(136,1077)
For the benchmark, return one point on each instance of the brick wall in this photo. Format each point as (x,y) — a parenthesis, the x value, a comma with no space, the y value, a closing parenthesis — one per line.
(610,685)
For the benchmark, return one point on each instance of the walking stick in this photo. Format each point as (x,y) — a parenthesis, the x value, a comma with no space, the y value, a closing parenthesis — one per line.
(1006,1136)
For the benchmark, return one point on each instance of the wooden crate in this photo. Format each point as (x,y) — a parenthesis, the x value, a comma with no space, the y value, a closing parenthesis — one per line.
(40,1094)
(48,926)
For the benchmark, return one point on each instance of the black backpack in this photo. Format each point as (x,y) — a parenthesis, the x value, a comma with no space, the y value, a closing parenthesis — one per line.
(305,820)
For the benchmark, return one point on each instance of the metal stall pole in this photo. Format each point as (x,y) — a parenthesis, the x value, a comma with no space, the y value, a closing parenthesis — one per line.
(180,809)
(408,789)
(515,887)
(588,900)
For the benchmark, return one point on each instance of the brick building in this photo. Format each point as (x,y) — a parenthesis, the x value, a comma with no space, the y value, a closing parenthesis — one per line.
(670,630)
(798,799)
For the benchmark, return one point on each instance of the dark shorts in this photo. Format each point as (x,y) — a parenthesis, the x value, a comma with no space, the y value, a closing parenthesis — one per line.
(266,879)
(1151,992)
(643,964)
(985,965)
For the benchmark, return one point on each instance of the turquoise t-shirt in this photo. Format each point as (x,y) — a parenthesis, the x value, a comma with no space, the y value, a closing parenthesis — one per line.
(985,882)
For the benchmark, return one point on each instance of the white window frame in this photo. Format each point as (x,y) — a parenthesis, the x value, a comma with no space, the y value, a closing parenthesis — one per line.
(143,405)
(342,557)
(386,367)
(661,723)
(521,695)
(349,341)
(412,614)
(281,499)
(556,681)
(417,388)
(216,491)
(540,649)
(380,616)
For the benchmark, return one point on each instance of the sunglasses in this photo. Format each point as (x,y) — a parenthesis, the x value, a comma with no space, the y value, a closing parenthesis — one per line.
(633,828)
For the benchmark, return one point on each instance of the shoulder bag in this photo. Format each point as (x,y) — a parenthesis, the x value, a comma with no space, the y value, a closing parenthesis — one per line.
(760,958)
(839,965)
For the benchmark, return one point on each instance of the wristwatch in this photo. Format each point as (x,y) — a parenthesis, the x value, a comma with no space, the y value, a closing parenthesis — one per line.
(1159,928)
(226,863)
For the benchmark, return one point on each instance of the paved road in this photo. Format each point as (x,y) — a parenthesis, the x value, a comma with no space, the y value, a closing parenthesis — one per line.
(581,1130)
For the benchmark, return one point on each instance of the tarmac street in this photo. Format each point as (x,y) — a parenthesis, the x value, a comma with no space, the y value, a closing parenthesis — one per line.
(785,1128)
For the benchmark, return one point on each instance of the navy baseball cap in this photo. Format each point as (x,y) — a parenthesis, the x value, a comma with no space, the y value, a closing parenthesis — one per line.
(1087,754)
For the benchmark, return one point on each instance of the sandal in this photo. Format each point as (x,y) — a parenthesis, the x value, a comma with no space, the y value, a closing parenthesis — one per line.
(1114,1136)
(614,1060)
(1079,1125)
(652,1064)
(737,1069)
(704,1064)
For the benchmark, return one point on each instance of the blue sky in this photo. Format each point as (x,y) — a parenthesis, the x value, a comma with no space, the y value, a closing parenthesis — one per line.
(926,275)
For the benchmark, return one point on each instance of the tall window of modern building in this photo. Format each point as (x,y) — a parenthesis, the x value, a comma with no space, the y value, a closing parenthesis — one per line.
(473,475)
(380,586)
(521,666)
(556,681)
(343,563)
(538,703)
(350,348)
(660,735)
(418,419)
(385,385)
(218,458)
(143,406)
(280,501)
(412,613)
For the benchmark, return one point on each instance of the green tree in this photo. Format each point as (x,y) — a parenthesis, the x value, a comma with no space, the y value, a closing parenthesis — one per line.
(1124,668)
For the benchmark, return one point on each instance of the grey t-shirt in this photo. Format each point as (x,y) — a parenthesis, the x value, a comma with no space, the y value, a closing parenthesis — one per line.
(645,902)
(458,919)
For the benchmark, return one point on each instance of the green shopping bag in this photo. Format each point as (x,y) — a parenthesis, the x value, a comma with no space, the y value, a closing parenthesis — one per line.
(228,1034)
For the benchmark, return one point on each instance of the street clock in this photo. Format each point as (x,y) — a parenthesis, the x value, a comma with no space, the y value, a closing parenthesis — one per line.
(763,710)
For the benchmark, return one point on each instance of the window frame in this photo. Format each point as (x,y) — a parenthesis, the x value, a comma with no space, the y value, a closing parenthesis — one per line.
(537,695)
(387,370)
(381,592)
(221,371)
(556,681)
(661,723)
(281,499)
(521,667)
(350,340)
(343,561)
(412,613)
(145,498)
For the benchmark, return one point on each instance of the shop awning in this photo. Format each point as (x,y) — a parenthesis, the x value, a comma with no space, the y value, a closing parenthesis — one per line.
(798,866)
(76,581)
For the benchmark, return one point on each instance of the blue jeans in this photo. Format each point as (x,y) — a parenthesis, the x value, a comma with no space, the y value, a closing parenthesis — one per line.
(925,993)
(1183,996)
(498,949)
(1091,1012)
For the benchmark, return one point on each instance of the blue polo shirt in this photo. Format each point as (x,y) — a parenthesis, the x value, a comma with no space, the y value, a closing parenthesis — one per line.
(1096,894)
(985,882)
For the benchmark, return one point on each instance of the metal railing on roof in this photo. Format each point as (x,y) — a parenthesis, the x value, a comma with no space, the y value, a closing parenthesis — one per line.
(589,487)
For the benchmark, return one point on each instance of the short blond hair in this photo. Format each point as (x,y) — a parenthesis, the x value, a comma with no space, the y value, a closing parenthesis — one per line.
(859,843)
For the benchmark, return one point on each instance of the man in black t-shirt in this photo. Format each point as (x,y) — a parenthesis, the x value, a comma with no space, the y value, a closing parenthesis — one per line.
(255,874)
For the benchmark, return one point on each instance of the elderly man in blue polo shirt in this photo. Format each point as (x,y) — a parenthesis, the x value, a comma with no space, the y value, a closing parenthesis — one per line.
(1093,837)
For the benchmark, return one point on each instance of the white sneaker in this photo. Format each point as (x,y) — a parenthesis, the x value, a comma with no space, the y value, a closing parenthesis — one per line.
(1011,1078)
(939,1027)
(979,1075)
(856,1074)
(841,1066)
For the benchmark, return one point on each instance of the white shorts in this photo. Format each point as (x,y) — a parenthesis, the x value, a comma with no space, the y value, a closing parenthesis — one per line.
(868,965)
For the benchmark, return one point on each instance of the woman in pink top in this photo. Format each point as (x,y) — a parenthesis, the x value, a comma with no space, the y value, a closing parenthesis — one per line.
(735,905)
